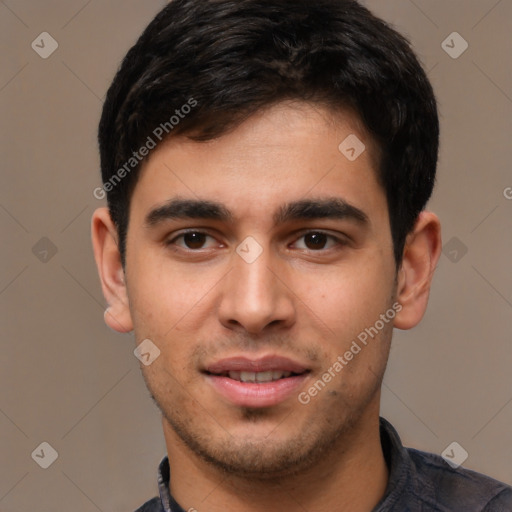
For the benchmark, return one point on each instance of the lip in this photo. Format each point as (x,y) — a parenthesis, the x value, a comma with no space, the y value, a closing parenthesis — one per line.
(263,364)
(256,394)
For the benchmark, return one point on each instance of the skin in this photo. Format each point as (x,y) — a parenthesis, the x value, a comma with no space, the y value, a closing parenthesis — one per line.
(199,301)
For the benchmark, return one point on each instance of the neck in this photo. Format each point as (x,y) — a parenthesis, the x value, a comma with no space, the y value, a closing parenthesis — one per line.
(352,476)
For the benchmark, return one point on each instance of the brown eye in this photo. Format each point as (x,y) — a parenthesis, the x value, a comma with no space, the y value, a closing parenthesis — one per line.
(194,240)
(316,240)
(191,240)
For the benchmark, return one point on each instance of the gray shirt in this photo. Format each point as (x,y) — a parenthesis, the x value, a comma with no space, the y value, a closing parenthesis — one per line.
(418,482)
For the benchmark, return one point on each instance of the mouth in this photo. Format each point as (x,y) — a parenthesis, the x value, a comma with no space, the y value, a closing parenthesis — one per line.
(256,383)
(258,377)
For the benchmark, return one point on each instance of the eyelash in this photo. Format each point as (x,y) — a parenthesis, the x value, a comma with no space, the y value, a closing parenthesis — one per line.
(169,243)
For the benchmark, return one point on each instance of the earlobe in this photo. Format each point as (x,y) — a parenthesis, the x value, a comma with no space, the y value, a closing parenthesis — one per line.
(108,262)
(421,254)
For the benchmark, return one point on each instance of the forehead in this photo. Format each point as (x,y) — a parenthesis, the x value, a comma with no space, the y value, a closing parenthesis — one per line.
(288,152)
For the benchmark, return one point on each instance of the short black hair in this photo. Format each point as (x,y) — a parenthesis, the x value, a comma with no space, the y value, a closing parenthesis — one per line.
(202,67)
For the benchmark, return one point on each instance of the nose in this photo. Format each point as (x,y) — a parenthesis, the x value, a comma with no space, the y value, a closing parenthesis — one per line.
(255,296)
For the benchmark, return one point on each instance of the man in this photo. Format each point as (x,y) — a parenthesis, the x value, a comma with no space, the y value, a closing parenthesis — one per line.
(267,165)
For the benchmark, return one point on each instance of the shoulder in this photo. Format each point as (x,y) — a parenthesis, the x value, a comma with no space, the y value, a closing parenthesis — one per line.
(153,505)
(457,488)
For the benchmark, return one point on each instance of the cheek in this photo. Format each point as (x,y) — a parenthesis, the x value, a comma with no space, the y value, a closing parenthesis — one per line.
(161,294)
(169,309)
(349,297)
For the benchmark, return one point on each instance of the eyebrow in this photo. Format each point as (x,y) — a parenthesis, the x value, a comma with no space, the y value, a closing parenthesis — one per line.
(188,209)
(328,208)
(306,209)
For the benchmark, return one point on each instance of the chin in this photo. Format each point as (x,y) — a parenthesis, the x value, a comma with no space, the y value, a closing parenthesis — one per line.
(258,451)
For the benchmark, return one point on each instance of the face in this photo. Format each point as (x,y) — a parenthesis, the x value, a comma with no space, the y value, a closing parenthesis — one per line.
(255,263)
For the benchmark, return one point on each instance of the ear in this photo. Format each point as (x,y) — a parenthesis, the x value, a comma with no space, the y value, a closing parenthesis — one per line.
(421,254)
(108,261)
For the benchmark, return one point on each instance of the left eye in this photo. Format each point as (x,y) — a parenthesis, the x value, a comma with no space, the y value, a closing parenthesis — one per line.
(316,240)
(192,240)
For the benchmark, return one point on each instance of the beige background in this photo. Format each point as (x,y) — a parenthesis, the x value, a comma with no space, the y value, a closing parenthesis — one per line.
(68,380)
